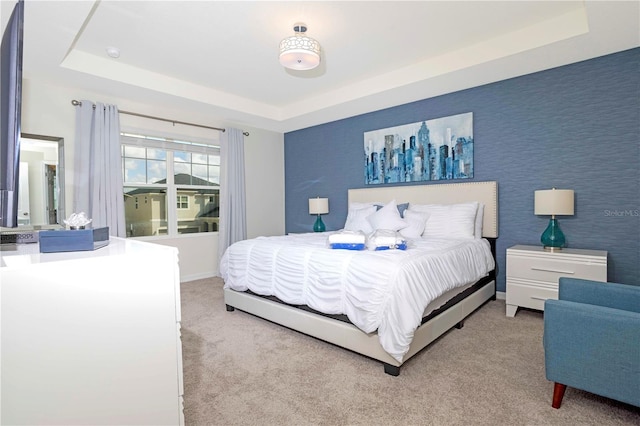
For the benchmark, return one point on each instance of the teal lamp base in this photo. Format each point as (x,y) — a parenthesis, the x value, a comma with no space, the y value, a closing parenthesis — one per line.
(319,225)
(552,238)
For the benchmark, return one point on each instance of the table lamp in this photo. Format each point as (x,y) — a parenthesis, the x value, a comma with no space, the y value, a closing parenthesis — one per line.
(318,206)
(553,202)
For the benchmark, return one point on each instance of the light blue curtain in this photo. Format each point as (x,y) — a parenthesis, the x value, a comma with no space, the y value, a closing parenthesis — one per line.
(97,176)
(233,217)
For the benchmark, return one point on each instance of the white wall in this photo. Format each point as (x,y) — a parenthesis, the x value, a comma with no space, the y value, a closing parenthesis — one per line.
(47,110)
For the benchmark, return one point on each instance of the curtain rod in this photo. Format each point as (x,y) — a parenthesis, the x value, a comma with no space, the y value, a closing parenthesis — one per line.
(77,103)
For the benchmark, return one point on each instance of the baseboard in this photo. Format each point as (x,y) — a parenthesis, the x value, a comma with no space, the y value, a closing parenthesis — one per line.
(201,276)
(501,295)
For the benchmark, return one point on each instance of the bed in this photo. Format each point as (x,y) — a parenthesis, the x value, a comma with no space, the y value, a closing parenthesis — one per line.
(446,309)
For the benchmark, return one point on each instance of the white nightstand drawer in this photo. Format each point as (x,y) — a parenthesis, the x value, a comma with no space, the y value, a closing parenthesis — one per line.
(550,270)
(530,296)
(533,273)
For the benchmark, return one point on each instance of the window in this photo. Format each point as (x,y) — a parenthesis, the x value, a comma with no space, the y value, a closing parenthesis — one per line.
(166,173)
(183,202)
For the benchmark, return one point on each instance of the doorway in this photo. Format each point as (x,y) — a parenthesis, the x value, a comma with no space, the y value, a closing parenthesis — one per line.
(51,192)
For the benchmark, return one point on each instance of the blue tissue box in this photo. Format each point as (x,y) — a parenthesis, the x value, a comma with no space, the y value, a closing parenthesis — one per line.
(53,241)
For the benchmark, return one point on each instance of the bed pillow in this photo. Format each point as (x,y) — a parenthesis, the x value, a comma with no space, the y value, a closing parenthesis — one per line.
(416,222)
(357,219)
(479,221)
(401,207)
(449,220)
(388,217)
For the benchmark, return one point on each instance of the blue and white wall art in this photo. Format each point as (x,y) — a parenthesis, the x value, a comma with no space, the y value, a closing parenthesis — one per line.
(438,149)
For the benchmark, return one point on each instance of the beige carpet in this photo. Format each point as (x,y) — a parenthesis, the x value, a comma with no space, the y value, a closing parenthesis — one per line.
(242,370)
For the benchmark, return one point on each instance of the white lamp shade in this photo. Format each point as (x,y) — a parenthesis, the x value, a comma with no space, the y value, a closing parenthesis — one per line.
(299,59)
(318,205)
(554,202)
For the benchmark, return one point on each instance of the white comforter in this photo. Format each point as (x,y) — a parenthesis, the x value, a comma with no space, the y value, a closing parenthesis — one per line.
(385,290)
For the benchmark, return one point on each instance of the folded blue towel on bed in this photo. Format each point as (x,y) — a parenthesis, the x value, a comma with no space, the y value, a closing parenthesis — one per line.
(401,246)
(386,239)
(347,246)
(348,240)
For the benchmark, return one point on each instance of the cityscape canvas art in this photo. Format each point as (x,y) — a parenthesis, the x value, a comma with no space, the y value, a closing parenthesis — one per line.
(438,149)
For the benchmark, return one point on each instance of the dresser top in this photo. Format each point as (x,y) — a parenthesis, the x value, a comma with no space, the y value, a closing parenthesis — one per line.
(21,255)
(564,252)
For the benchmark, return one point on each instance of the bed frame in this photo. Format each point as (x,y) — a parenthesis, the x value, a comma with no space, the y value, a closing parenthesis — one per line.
(350,337)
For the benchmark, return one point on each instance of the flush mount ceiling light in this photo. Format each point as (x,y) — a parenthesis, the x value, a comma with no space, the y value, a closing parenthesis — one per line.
(299,51)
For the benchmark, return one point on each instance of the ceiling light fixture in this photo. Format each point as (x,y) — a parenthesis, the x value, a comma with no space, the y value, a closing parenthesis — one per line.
(299,51)
(113,52)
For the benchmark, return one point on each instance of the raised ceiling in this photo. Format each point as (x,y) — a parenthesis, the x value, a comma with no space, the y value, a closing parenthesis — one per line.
(222,57)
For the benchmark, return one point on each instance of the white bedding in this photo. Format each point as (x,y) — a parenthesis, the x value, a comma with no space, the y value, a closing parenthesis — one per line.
(385,290)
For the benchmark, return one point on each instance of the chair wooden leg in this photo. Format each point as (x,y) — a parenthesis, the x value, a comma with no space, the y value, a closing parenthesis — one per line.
(558,394)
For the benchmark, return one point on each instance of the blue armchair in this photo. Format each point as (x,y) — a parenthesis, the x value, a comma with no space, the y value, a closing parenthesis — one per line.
(592,340)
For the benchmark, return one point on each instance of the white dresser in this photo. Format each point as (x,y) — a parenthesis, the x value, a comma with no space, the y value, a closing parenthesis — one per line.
(91,337)
(533,273)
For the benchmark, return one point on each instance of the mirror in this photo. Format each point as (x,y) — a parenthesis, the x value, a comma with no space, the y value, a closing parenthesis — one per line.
(41,188)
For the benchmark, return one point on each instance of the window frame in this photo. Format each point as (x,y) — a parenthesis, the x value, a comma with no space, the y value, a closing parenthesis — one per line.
(171,146)
(179,203)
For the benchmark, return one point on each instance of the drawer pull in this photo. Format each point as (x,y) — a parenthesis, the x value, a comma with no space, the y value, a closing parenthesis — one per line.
(552,270)
(539,298)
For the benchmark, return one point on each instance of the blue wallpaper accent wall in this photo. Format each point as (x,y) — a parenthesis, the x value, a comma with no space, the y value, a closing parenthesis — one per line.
(573,127)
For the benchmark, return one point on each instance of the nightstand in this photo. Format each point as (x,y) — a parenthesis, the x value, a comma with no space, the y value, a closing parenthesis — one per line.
(533,273)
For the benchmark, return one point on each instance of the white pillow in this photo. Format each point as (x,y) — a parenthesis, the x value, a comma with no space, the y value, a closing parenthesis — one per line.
(449,220)
(357,219)
(416,221)
(388,217)
(479,221)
